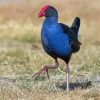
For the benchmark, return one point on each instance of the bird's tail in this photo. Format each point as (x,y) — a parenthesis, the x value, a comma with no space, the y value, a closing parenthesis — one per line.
(76,25)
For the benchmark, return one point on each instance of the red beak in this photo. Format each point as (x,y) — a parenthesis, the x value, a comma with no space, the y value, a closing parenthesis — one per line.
(42,12)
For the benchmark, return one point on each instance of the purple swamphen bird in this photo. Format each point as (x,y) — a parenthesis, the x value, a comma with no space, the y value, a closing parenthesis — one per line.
(58,40)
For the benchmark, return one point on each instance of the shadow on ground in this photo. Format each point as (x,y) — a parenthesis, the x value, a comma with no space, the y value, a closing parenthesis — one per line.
(73,86)
(42,83)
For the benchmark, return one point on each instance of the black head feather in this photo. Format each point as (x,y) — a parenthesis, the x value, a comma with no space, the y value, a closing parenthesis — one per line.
(51,11)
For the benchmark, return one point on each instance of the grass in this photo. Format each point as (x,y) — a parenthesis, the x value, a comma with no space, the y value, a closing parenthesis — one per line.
(21,55)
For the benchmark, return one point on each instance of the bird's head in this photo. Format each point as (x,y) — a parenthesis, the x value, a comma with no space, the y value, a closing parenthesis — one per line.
(48,11)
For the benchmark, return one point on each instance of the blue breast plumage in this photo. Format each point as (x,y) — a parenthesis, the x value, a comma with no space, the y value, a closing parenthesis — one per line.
(54,40)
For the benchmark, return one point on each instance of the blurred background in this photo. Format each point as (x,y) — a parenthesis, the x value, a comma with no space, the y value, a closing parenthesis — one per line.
(14,12)
(21,52)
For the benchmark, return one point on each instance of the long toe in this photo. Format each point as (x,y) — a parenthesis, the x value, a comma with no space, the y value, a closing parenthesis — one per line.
(42,71)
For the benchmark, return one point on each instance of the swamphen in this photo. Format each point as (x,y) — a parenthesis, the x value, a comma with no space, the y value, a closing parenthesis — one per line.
(58,39)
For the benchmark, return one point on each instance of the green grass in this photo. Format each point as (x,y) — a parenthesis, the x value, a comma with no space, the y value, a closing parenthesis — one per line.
(19,60)
(21,55)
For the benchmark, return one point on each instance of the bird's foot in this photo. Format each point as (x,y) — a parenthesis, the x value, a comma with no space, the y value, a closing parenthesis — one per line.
(43,70)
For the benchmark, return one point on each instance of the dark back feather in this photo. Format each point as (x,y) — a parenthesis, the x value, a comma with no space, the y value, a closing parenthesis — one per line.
(73,34)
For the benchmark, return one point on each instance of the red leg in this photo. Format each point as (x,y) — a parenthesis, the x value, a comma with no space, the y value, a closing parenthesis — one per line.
(45,68)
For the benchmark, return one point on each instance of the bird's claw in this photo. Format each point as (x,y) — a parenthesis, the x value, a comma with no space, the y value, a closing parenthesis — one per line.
(42,71)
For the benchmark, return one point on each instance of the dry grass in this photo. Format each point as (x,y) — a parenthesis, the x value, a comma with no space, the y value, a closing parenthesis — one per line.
(21,53)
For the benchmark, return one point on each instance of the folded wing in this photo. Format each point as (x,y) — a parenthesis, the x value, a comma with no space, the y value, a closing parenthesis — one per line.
(73,34)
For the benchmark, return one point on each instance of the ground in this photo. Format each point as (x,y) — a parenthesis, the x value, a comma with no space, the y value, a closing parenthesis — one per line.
(21,53)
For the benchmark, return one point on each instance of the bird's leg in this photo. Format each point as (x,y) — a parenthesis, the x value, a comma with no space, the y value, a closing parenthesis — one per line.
(67,78)
(45,68)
